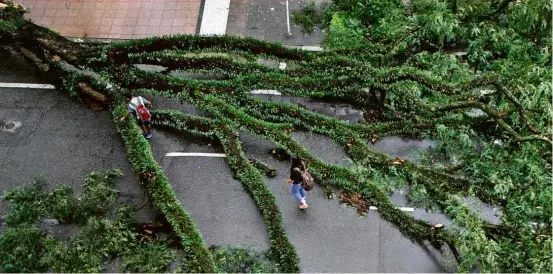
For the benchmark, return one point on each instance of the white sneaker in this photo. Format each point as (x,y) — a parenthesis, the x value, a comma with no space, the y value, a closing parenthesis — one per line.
(303,206)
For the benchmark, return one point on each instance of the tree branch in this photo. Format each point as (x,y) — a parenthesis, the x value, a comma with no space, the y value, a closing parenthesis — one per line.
(498,117)
(520,109)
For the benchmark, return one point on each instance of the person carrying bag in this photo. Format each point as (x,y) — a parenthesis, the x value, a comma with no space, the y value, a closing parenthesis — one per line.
(301,180)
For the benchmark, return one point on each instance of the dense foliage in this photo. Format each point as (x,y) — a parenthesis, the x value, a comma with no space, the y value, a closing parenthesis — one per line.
(242,260)
(105,230)
(102,237)
(507,40)
(474,75)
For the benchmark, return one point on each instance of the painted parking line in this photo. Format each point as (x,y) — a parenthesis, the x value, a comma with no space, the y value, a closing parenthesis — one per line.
(215,17)
(26,85)
(48,86)
(265,92)
(195,154)
(307,48)
(409,209)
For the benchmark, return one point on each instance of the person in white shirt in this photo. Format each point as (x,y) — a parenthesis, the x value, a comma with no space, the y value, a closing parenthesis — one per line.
(137,105)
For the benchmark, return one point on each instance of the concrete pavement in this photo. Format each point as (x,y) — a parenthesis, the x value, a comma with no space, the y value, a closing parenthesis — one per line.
(266,20)
(130,19)
(115,19)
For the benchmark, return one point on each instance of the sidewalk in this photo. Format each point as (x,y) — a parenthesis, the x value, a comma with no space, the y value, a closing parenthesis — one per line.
(128,19)
(117,19)
(266,20)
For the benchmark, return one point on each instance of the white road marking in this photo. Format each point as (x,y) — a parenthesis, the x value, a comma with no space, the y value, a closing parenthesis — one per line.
(460,53)
(486,91)
(308,48)
(265,92)
(215,17)
(287,18)
(26,85)
(195,154)
(409,209)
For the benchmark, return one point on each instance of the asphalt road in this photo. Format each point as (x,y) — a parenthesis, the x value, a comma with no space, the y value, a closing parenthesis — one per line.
(63,141)
(56,138)
(328,237)
(332,238)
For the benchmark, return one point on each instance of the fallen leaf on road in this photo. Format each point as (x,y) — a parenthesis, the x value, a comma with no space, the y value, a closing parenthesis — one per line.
(374,139)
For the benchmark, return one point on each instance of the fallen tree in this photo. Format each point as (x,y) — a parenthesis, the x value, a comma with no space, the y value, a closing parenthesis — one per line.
(402,87)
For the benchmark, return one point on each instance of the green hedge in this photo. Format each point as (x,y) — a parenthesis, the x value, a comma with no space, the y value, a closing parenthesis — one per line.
(344,179)
(217,64)
(194,42)
(250,177)
(282,251)
(198,258)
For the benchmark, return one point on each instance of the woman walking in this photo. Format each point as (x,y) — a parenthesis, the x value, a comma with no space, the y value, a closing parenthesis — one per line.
(298,166)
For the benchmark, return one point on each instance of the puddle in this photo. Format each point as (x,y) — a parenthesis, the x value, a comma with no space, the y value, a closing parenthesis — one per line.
(342,111)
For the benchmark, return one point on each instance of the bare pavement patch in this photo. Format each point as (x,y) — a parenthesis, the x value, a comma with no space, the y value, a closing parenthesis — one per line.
(224,212)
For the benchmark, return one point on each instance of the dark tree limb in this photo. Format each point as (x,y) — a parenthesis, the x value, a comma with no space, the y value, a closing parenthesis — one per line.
(497,116)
